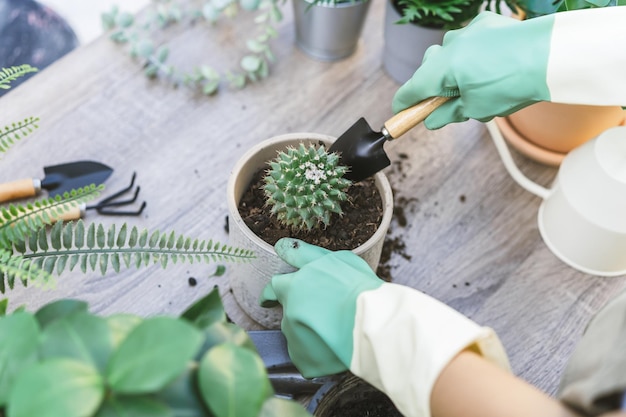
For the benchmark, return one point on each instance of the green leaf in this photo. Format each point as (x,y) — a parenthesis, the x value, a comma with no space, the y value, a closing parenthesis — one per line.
(133,407)
(63,387)
(275,407)
(222,332)
(206,311)
(124,20)
(219,271)
(181,396)
(59,309)
(250,63)
(120,326)
(152,355)
(16,353)
(79,336)
(233,381)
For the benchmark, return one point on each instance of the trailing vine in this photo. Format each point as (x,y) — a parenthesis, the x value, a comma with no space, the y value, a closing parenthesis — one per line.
(253,66)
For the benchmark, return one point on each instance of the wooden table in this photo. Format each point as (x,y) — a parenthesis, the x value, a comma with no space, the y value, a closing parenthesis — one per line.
(471,237)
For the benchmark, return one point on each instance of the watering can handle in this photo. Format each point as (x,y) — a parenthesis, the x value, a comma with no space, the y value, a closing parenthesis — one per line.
(402,122)
(509,164)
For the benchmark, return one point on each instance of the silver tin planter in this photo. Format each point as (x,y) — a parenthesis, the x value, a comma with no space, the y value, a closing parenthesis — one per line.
(405,45)
(329,32)
(248,279)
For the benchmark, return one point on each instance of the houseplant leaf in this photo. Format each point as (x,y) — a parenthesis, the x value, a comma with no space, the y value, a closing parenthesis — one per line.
(79,336)
(223,332)
(120,325)
(133,407)
(206,311)
(59,309)
(165,341)
(274,407)
(182,397)
(16,352)
(233,381)
(64,387)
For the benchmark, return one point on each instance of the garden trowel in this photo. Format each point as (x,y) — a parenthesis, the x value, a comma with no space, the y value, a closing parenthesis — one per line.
(58,179)
(361,149)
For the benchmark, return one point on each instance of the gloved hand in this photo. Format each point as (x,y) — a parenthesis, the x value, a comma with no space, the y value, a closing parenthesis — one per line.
(338,315)
(495,66)
(498,65)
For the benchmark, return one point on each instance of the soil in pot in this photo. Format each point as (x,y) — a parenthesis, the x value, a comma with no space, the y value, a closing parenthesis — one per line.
(362,215)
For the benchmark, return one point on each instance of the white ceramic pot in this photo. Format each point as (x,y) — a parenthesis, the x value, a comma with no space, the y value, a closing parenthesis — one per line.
(248,279)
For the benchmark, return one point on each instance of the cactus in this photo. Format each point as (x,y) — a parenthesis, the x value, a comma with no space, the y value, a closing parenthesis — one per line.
(304,185)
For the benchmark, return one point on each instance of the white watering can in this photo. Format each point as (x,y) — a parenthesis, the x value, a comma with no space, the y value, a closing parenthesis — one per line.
(582,218)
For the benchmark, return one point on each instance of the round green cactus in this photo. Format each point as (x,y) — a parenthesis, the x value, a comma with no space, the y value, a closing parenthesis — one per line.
(304,185)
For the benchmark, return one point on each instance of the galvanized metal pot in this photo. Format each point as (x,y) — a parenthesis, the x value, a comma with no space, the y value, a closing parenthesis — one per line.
(248,279)
(329,32)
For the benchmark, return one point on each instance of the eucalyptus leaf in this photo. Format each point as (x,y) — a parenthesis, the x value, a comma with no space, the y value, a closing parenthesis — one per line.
(154,353)
(63,387)
(16,353)
(233,381)
(249,4)
(124,19)
(250,63)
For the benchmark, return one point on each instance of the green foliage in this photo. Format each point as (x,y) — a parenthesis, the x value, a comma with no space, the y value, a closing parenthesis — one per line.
(447,14)
(31,251)
(535,8)
(13,73)
(305,185)
(253,66)
(65,361)
(16,131)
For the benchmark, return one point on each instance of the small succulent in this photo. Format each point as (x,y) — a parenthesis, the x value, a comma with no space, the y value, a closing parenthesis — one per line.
(304,185)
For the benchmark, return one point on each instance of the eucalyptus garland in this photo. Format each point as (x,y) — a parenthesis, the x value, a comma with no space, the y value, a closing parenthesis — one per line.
(253,66)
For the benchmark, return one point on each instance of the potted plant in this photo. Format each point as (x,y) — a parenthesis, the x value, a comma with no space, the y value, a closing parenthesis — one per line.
(66,361)
(250,216)
(35,243)
(329,30)
(546,131)
(411,26)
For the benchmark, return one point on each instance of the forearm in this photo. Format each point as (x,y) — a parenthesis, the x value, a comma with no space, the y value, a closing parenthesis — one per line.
(470,386)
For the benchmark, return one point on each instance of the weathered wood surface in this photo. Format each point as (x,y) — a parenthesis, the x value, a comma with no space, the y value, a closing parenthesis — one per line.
(471,232)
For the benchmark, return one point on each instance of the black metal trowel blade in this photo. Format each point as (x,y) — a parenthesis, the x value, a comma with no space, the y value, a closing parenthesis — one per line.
(361,149)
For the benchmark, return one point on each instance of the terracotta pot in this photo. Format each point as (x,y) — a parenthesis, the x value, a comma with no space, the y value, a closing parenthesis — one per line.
(248,279)
(546,131)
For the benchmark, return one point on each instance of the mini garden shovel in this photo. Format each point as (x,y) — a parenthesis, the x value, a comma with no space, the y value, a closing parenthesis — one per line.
(361,149)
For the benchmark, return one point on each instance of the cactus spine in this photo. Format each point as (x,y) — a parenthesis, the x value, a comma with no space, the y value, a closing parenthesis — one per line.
(304,185)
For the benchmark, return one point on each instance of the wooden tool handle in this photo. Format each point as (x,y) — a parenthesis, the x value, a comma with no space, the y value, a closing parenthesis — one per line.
(19,189)
(402,122)
(70,213)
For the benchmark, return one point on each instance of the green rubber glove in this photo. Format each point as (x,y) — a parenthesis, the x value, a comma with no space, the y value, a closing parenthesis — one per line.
(319,304)
(494,66)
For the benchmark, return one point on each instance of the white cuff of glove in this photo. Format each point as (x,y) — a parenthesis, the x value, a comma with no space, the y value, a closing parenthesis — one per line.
(403,339)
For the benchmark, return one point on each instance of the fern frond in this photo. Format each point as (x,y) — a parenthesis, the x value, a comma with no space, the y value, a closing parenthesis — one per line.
(16,131)
(74,245)
(12,73)
(14,267)
(19,221)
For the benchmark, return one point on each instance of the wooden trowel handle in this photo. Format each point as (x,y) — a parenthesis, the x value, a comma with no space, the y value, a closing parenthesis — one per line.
(19,189)
(402,122)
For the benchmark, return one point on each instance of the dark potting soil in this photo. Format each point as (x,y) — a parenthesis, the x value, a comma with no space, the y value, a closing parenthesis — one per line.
(361,217)
(375,405)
